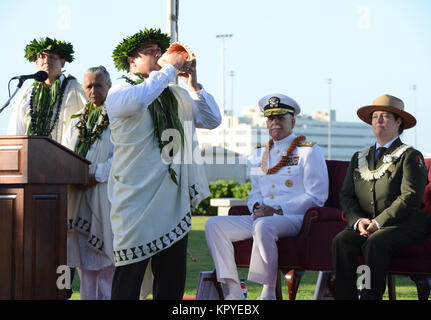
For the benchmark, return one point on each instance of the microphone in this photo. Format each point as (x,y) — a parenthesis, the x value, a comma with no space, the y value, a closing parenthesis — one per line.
(38,76)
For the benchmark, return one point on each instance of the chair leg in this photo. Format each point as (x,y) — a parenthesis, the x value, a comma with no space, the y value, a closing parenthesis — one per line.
(278,292)
(422,286)
(293,278)
(392,294)
(331,284)
(324,286)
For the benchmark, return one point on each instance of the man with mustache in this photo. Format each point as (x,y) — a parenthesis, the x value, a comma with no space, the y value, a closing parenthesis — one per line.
(45,108)
(287,177)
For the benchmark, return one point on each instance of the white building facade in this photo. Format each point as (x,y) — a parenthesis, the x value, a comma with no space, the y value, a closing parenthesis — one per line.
(243,134)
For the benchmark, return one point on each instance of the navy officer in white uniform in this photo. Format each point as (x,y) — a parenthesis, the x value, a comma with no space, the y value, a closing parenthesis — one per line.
(288,176)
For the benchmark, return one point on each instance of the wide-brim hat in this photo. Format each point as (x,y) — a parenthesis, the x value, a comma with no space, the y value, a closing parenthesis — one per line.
(62,48)
(387,103)
(278,104)
(129,45)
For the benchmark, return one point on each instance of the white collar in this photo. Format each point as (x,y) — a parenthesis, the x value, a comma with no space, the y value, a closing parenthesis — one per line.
(285,141)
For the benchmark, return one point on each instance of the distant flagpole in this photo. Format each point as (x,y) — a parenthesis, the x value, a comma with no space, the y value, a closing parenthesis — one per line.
(172,19)
(330,120)
(172,22)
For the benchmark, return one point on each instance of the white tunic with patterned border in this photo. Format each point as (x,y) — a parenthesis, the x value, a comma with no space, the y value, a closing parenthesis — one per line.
(149,211)
(74,100)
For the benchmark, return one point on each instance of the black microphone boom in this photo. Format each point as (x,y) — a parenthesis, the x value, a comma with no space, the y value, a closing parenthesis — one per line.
(38,76)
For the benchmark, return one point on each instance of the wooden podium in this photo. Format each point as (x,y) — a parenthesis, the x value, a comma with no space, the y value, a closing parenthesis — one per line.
(34,174)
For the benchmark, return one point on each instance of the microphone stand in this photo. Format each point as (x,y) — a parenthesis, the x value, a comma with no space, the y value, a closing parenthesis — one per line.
(21,81)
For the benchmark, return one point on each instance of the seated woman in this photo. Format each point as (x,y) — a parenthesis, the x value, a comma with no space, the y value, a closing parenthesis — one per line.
(381,199)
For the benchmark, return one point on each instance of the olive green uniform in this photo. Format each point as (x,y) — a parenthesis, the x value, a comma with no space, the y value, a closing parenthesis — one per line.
(394,201)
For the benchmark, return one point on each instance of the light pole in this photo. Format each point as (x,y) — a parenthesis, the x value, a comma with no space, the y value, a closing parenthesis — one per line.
(231,74)
(330,120)
(223,37)
(172,22)
(414,105)
(172,19)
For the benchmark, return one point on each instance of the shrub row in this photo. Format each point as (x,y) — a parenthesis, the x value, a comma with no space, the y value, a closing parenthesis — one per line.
(221,189)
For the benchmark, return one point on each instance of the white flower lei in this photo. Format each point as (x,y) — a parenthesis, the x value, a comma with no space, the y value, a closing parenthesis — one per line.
(388,163)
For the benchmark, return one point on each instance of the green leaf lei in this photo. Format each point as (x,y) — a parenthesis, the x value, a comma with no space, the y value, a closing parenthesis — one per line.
(164,113)
(43,102)
(93,121)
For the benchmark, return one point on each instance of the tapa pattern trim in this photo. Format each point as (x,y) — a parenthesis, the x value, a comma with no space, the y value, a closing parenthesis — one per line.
(145,251)
(84,226)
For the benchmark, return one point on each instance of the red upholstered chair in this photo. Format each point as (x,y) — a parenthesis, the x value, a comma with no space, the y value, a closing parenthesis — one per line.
(415,260)
(311,248)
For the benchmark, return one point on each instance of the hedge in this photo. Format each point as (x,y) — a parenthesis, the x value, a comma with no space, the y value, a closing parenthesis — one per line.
(221,189)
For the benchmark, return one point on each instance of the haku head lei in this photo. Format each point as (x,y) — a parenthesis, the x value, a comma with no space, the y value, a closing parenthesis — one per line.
(129,46)
(62,48)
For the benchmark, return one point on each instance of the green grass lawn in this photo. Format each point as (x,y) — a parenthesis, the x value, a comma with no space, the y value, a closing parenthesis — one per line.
(405,288)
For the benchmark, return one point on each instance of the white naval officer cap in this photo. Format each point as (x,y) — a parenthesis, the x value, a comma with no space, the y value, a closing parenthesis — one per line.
(278,104)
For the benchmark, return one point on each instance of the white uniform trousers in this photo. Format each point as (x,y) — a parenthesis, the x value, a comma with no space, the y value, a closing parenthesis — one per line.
(221,231)
(96,284)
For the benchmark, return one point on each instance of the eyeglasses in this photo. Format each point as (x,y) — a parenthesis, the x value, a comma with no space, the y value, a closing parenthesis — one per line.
(151,51)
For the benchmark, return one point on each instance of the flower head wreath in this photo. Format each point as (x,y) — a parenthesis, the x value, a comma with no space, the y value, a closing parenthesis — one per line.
(130,44)
(62,48)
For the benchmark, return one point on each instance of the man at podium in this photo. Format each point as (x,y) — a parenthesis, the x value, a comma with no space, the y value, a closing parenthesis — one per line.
(89,236)
(45,108)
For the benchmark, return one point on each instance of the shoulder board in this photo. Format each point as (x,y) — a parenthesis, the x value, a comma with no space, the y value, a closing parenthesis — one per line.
(306,144)
(261,146)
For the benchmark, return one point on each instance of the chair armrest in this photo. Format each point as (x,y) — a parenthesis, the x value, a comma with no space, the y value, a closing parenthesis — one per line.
(238,211)
(320,215)
(324,214)
(313,214)
(344,217)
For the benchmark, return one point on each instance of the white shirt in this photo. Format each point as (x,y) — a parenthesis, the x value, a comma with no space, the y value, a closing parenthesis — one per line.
(387,145)
(149,211)
(120,104)
(295,188)
(74,99)
(102,169)
(16,126)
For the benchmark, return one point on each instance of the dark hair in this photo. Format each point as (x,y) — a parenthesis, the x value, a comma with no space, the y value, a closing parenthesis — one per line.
(396,116)
(401,127)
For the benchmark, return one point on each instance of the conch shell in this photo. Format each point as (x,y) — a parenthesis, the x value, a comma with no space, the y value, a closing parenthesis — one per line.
(182,48)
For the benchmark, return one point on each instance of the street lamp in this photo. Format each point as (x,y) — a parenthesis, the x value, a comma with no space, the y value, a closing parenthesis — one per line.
(172,19)
(414,105)
(330,119)
(172,22)
(223,37)
(231,74)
